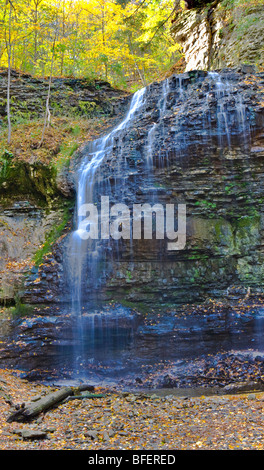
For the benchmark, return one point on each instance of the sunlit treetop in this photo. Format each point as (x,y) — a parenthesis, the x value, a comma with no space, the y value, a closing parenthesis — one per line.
(125,42)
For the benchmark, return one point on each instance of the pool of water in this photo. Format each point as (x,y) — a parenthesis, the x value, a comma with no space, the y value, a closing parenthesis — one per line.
(112,344)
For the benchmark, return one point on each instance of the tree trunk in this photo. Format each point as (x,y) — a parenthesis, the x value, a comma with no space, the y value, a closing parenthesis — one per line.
(33,409)
(63,36)
(35,36)
(9,53)
(142,78)
(8,101)
(47,111)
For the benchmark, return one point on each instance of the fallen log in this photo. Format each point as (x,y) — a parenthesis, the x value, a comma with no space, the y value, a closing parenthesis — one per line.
(34,408)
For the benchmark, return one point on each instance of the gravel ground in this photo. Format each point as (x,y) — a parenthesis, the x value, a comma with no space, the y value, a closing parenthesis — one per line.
(133,421)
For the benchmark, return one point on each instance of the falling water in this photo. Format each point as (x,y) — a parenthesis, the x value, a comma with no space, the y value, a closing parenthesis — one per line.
(157,127)
(225,96)
(87,254)
(150,143)
(230,113)
(81,246)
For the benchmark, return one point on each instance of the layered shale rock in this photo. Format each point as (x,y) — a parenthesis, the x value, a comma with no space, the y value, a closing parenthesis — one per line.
(204,132)
(37,197)
(220,34)
(68,95)
(197,139)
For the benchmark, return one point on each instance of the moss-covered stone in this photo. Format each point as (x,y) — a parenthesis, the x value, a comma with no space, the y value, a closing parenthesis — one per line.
(69,96)
(34,212)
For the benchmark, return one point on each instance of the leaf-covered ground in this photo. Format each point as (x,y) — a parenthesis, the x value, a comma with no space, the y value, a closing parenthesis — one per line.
(61,139)
(121,421)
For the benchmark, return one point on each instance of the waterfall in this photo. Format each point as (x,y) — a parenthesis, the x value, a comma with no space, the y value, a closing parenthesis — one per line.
(156,125)
(143,136)
(225,94)
(86,253)
(80,247)
(118,146)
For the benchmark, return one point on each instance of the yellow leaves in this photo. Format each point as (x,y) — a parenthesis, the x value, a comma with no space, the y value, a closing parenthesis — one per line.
(199,444)
(91,33)
(155,18)
(58,143)
(17,266)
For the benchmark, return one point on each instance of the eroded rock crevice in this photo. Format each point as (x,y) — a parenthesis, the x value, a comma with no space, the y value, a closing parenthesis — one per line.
(214,35)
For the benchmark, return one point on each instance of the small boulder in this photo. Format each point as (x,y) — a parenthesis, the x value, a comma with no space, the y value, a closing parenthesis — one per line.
(31,433)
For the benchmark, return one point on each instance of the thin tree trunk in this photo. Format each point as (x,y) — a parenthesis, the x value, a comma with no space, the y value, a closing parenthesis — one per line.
(47,112)
(104,41)
(35,36)
(75,43)
(142,78)
(9,52)
(63,35)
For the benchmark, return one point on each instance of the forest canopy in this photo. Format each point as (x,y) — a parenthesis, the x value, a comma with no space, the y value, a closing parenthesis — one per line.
(125,42)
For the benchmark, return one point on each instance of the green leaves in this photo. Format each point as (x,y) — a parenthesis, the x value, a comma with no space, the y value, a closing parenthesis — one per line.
(120,41)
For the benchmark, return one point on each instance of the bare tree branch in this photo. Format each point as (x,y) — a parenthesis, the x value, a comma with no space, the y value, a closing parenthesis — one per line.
(160,26)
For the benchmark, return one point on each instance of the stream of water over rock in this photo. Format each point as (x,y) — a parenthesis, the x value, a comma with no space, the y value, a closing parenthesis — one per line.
(186,139)
(88,252)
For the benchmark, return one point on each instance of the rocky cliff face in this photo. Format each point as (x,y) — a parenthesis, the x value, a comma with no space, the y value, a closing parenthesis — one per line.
(68,95)
(204,132)
(36,197)
(220,34)
(196,139)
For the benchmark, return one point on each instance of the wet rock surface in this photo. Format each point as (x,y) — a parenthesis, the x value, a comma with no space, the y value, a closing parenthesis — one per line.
(216,344)
(202,133)
(206,152)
